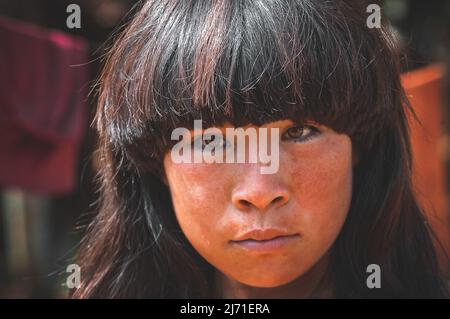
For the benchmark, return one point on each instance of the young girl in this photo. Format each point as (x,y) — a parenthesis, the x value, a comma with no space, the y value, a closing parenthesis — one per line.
(338,212)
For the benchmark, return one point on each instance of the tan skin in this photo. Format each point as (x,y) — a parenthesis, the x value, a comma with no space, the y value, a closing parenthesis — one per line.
(309,195)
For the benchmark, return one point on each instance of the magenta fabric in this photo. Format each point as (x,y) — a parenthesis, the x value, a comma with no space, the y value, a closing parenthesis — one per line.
(44,81)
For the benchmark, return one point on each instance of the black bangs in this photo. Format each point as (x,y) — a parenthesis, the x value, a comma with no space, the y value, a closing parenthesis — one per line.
(246,62)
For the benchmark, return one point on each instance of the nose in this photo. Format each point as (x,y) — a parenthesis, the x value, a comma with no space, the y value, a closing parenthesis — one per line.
(261,192)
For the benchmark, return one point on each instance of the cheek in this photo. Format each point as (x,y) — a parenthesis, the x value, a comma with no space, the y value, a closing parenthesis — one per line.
(323,186)
(197,199)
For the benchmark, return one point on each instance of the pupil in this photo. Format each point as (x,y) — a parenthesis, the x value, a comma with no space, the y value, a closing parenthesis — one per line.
(296,132)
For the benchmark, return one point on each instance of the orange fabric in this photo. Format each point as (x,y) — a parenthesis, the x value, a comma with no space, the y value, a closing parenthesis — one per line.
(425,92)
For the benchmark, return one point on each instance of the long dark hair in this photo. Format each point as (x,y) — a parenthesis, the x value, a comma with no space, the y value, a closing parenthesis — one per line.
(251,62)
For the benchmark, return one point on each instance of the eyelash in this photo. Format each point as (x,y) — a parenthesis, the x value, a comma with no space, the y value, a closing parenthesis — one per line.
(313,132)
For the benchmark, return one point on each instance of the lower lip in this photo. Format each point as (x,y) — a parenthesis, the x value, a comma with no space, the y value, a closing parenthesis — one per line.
(266,246)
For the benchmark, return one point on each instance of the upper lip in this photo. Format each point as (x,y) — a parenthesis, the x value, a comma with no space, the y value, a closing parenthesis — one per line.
(264,234)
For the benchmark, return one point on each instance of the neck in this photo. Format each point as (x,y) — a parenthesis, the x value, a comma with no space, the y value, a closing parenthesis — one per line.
(315,283)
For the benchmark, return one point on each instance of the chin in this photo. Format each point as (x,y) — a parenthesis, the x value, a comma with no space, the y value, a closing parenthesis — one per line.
(272,280)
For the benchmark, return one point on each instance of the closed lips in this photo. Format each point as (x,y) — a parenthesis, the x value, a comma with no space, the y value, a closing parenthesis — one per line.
(264,234)
(267,245)
(265,240)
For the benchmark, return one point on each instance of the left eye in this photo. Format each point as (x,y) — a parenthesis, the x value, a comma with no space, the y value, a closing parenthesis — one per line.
(300,132)
(211,141)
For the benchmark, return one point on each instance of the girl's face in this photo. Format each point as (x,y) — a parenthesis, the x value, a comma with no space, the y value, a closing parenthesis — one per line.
(266,230)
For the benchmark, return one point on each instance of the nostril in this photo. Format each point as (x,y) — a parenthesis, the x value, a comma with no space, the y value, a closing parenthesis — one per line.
(277,200)
(245,203)
(261,197)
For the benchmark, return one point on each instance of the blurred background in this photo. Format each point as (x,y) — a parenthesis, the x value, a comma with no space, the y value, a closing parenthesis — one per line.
(47,165)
